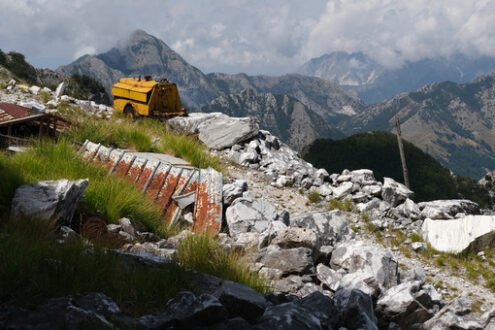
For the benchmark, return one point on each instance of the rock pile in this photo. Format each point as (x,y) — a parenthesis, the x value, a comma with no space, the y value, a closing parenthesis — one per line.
(29,97)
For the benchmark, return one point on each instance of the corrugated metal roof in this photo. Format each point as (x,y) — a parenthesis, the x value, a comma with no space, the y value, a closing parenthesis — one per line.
(170,186)
(9,111)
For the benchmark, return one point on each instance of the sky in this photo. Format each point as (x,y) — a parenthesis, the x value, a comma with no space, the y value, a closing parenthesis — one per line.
(270,37)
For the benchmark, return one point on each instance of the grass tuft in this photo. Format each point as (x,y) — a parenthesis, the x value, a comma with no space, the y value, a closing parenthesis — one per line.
(313,196)
(204,254)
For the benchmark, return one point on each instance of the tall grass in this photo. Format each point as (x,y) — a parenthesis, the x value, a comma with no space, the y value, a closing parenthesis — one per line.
(190,149)
(35,267)
(112,196)
(124,133)
(203,253)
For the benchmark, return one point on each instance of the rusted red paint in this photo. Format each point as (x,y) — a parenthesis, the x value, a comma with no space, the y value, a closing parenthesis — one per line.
(122,168)
(145,175)
(156,184)
(167,190)
(134,172)
(9,111)
(201,208)
(109,164)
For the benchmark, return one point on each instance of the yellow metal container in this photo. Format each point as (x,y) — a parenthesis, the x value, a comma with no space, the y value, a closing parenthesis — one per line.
(137,97)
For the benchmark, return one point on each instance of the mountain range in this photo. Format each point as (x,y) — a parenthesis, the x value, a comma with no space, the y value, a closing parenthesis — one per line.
(373,82)
(142,54)
(452,122)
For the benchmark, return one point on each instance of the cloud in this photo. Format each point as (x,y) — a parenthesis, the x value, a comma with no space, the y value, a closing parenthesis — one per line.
(269,37)
(396,31)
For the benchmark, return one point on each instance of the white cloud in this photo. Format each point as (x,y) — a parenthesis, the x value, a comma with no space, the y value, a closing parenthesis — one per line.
(396,31)
(270,37)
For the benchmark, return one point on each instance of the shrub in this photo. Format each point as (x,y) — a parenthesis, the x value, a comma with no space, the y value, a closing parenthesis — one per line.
(204,254)
(16,63)
(415,237)
(335,204)
(313,196)
(45,96)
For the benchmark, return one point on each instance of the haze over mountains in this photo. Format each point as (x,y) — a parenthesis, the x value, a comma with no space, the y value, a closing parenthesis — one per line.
(451,122)
(374,83)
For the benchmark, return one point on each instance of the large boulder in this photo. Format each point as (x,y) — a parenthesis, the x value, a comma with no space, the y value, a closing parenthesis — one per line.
(331,227)
(190,124)
(405,304)
(445,209)
(473,232)
(233,190)
(455,315)
(289,261)
(293,237)
(358,256)
(49,200)
(288,316)
(394,192)
(93,311)
(186,311)
(355,310)
(241,300)
(223,132)
(249,214)
(328,277)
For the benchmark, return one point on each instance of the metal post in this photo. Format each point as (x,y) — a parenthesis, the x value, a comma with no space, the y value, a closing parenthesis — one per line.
(401,151)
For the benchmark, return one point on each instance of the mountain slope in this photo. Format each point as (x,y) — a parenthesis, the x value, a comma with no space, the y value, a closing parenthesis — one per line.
(283,115)
(452,122)
(374,83)
(143,54)
(325,98)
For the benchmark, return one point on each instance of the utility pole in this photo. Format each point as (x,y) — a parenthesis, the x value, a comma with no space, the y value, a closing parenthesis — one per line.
(401,151)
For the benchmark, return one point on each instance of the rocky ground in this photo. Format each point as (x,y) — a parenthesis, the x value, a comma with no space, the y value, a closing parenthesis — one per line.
(328,268)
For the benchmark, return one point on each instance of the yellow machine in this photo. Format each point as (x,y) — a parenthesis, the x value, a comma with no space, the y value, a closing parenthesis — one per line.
(137,97)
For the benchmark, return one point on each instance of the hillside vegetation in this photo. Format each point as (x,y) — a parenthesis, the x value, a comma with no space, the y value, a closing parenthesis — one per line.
(379,152)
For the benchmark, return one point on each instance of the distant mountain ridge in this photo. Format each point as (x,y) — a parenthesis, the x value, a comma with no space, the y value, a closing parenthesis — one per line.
(282,115)
(374,83)
(452,122)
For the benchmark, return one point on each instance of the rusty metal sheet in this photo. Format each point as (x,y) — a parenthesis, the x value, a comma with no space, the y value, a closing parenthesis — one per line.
(172,211)
(209,207)
(113,159)
(171,187)
(90,150)
(157,180)
(102,155)
(136,168)
(147,173)
(9,111)
(124,165)
(168,188)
